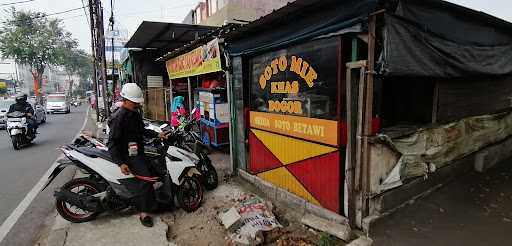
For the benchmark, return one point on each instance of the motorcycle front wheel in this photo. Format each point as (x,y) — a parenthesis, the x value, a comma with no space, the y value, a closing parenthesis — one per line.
(16,142)
(190,194)
(209,176)
(81,186)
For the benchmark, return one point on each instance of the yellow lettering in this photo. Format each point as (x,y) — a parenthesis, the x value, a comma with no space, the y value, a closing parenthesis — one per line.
(311,76)
(263,82)
(274,64)
(294,87)
(280,87)
(296,64)
(305,67)
(297,107)
(283,63)
(268,72)
(318,130)
(272,106)
(273,87)
(262,121)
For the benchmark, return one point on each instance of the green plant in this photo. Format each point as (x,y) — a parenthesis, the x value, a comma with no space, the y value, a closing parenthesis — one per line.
(326,240)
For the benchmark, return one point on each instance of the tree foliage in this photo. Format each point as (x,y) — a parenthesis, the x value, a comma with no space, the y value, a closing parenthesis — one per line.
(77,62)
(32,39)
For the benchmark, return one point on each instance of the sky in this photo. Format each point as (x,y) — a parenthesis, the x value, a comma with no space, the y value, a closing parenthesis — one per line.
(130,13)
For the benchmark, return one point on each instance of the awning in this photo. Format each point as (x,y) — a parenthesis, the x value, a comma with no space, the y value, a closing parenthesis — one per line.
(165,36)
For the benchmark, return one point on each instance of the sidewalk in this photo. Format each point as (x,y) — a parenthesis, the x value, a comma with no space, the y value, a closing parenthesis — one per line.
(178,227)
(473,210)
(181,228)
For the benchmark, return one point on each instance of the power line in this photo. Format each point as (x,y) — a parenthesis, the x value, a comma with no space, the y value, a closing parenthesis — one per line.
(14,3)
(65,11)
(85,11)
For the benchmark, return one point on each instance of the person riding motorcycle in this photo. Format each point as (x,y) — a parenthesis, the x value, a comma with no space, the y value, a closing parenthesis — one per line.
(126,147)
(23,106)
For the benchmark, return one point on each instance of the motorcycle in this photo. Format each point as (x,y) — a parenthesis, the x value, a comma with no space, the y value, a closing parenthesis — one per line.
(17,127)
(104,187)
(76,103)
(185,138)
(189,140)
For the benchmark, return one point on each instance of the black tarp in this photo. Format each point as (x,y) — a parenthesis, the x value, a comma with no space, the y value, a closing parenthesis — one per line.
(436,39)
(419,38)
(297,22)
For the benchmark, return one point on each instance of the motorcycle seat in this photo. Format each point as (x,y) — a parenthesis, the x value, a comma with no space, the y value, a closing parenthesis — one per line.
(95,153)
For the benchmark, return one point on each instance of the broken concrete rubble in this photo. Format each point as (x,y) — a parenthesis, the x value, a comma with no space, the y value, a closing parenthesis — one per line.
(338,230)
(247,220)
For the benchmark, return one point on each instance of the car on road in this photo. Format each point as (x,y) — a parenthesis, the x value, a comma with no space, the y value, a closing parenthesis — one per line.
(4,108)
(57,103)
(39,111)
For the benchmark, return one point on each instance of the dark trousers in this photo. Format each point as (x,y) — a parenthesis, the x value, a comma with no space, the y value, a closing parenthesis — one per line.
(142,186)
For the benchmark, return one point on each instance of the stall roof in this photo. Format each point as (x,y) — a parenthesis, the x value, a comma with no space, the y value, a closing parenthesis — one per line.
(165,36)
(447,35)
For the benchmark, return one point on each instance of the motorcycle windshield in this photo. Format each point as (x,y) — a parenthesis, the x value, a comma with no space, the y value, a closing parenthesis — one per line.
(16,114)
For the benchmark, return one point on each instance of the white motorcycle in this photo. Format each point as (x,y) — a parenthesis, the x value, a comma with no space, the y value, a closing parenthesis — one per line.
(17,127)
(104,188)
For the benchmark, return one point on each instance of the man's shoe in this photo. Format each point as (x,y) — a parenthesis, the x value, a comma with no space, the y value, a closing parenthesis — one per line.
(146,221)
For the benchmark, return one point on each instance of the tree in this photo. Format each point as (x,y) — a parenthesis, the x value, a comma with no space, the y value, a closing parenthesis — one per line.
(31,39)
(77,62)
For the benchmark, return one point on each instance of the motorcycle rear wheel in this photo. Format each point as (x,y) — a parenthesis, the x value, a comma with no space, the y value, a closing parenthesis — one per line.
(190,194)
(72,213)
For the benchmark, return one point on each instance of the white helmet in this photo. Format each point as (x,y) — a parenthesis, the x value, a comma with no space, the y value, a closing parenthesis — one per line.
(132,92)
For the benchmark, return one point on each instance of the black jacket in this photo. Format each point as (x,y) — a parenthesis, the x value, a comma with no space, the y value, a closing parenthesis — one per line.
(21,107)
(126,126)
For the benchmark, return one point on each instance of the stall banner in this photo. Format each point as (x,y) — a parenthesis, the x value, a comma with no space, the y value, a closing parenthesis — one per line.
(202,60)
(317,130)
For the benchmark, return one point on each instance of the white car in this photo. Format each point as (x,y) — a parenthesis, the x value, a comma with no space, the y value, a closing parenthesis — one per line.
(4,108)
(57,103)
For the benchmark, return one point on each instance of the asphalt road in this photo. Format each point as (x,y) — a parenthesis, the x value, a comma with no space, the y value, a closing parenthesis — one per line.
(21,170)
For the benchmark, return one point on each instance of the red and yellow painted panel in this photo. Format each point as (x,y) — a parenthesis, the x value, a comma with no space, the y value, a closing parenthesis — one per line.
(317,130)
(309,170)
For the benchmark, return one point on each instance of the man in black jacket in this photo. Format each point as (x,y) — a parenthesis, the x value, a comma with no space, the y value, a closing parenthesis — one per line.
(23,106)
(126,146)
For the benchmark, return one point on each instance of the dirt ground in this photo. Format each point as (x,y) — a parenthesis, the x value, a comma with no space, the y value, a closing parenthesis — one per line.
(473,210)
(202,227)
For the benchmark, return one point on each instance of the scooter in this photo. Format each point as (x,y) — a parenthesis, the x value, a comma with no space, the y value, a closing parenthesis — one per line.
(189,140)
(76,103)
(17,127)
(104,187)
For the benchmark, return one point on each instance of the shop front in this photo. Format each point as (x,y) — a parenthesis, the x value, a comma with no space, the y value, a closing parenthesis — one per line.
(199,78)
(296,136)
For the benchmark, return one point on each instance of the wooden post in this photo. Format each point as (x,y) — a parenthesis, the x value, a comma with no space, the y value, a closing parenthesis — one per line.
(189,95)
(354,117)
(368,117)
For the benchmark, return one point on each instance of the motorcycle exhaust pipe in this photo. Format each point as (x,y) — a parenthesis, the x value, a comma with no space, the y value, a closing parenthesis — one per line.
(88,203)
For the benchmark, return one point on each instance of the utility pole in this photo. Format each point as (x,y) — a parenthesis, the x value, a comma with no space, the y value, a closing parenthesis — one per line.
(113,47)
(98,46)
(94,58)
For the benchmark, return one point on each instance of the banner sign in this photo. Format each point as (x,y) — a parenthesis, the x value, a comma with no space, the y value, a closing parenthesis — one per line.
(318,130)
(202,60)
(295,65)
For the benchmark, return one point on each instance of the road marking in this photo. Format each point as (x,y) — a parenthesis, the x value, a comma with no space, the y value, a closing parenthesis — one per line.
(16,214)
